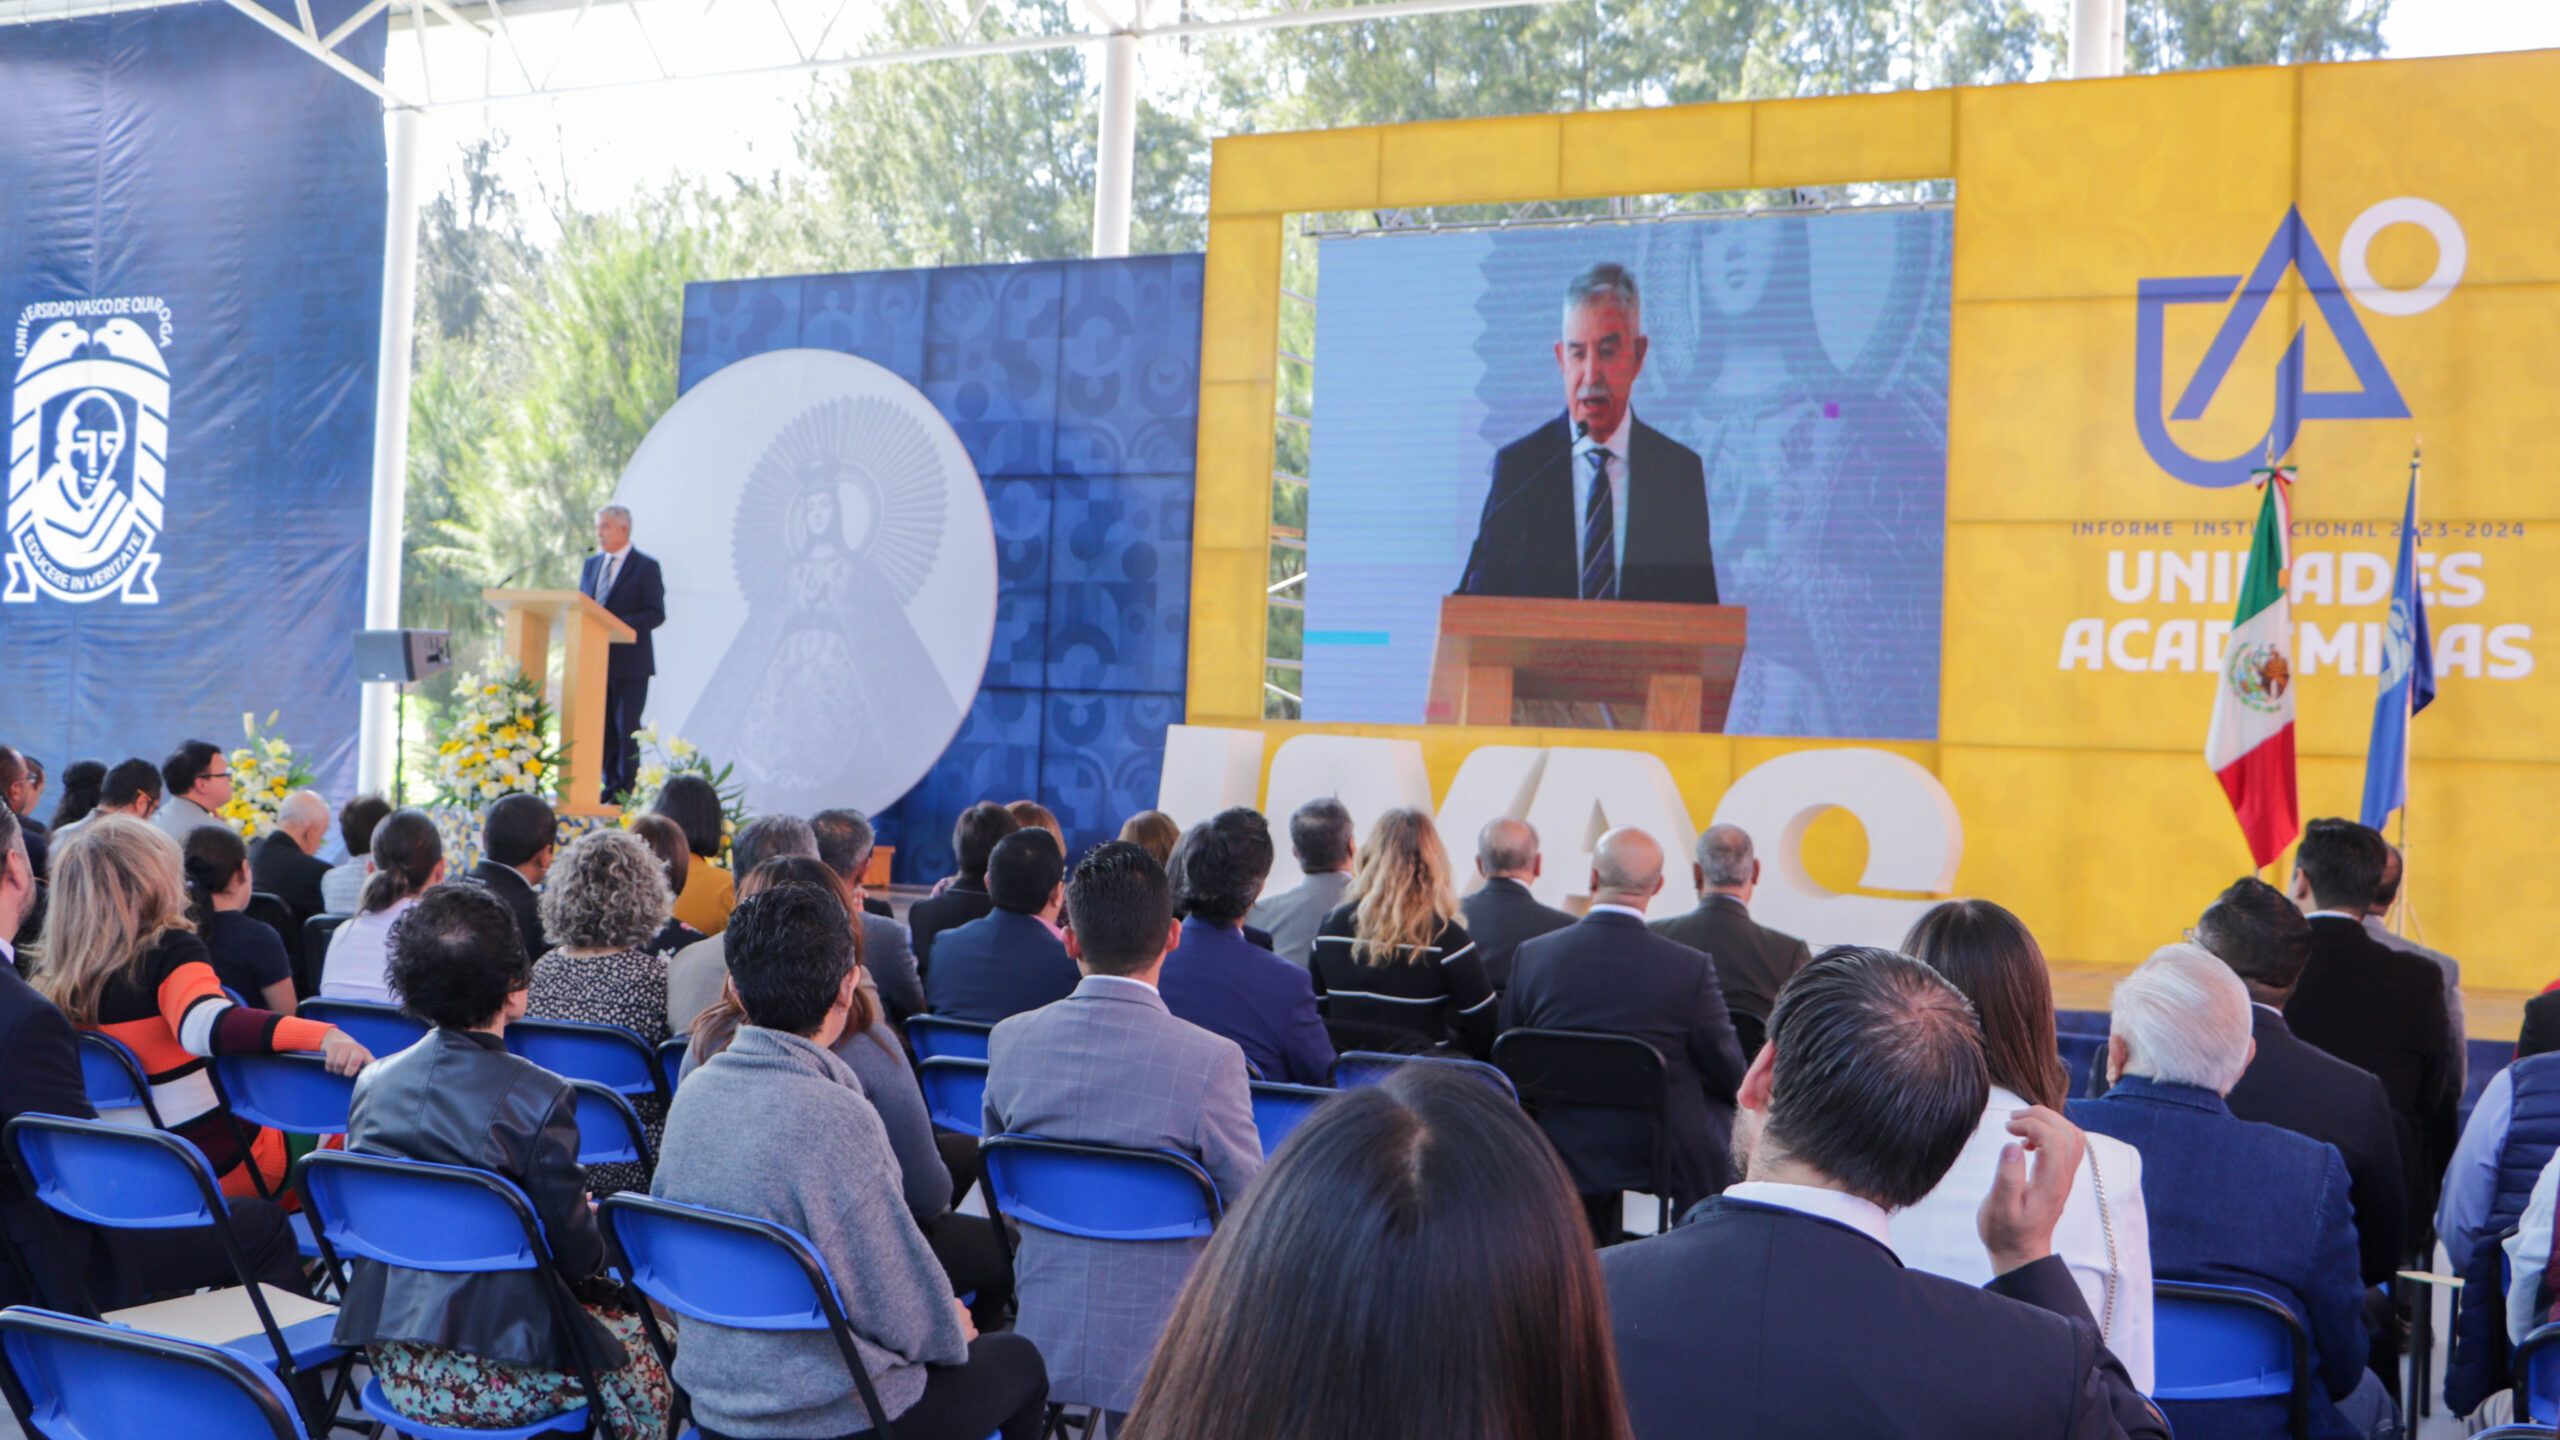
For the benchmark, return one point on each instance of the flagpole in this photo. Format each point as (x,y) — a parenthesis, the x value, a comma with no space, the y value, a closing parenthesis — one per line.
(2408,727)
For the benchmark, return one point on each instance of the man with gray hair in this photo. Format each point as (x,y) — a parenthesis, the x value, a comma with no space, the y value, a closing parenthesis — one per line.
(1595,504)
(287,863)
(1608,973)
(627,583)
(1753,960)
(1504,914)
(696,972)
(1320,834)
(845,841)
(2233,1202)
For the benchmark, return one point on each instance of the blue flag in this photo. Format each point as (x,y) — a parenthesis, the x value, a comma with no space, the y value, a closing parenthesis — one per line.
(2408,679)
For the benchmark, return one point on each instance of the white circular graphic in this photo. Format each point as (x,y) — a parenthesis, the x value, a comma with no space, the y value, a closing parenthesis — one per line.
(831,578)
(2453,252)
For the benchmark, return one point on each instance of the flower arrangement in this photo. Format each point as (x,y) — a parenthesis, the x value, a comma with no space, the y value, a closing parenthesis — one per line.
(263,772)
(504,741)
(663,758)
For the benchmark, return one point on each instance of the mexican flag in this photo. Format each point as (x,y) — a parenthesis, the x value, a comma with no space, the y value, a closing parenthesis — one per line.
(2250,745)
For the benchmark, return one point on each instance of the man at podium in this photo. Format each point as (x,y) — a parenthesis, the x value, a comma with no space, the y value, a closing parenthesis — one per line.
(1595,504)
(626,583)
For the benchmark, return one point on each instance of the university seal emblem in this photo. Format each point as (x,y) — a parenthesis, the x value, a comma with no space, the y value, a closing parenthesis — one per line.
(88,453)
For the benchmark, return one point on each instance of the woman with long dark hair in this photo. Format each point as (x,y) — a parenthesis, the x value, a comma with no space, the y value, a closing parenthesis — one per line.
(1412,1263)
(82,783)
(248,955)
(705,898)
(408,856)
(1403,974)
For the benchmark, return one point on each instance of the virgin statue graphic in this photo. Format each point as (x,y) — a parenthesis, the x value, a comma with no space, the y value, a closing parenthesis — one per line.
(88,464)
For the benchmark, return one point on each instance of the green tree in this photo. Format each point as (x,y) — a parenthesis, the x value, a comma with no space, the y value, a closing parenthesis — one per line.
(2208,34)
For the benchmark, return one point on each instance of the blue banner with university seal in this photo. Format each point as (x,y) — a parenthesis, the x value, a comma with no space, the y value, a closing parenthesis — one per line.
(190,293)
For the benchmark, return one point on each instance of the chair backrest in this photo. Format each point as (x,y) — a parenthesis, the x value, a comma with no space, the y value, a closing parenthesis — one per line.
(419,1216)
(2537,1385)
(1581,1067)
(316,934)
(113,1078)
(272,912)
(938,1035)
(114,1175)
(609,1130)
(74,1379)
(2081,1056)
(1355,1068)
(1101,1192)
(671,1053)
(611,1056)
(2219,1342)
(382,1029)
(955,1093)
(1279,1109)
(292,1093)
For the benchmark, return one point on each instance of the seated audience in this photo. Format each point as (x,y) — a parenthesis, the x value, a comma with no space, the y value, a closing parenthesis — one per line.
(342,889)
(286,862)
(1503,913)
(1607,973)
(690,801)
(2508,1142)
(132,788)
(484,1351)
(777,1126)
(1216,980)
(1110,1065)
(120,958)
(1780,1309)
(696,972)
(665,839)
(517,840)
(2531,1283)
(248,955)
(1032,815)
(18,796)
(2299,1087)
(2104,1235)
(1320,836)
(1752,960)
(2376,1009)
(2233,1202)
(407,857)
(1154,832)
(605,900)
(973,842)
(1011,959)
(1403,974)
(845,842)
(1377,1216)
(198,779)
(82,781)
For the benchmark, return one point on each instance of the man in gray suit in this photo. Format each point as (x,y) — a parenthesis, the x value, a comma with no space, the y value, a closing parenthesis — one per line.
(1754,961)
(1110,1065)
(1320,832)
(844,841)
(1504,913)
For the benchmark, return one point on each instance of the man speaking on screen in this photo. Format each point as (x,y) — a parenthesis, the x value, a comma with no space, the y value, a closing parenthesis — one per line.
(1595,504)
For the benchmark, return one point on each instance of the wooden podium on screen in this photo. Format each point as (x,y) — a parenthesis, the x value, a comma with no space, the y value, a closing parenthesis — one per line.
(1676,661)
(588,631)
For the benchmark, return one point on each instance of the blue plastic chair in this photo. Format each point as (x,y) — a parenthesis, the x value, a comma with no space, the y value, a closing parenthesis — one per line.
(1278,1109)
(74,1379)
(2083,1056)
(1355,1068)
(955,1093)
(671,1053)
(2538,1376)
(449,1220)
(113,1077)
(2219,1342)
(292,1093)
(1100,1192)
(382,1029)
(609,1055)
(609,1130)
(934,1036)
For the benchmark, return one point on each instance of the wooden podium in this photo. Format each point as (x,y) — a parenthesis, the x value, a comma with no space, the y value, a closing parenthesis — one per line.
(1677,661)
(588,632)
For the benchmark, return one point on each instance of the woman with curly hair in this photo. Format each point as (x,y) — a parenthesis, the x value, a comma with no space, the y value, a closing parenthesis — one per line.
(1403,973)
(604,901)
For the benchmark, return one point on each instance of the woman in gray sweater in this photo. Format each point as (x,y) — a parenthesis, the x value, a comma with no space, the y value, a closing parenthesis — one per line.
(778,1127)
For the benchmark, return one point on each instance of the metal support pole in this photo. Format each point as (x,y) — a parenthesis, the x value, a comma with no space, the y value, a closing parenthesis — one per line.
(2097,38)
(378,740)
(1115,158)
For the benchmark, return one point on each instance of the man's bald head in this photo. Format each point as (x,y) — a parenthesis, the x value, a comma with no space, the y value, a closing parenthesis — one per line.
(304,816)
(1626,868)
(1507,847)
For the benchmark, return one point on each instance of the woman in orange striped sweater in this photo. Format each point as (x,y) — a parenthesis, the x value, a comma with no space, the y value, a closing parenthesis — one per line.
(119,956)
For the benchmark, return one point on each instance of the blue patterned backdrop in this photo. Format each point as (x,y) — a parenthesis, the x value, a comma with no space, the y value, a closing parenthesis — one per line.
(1075,386)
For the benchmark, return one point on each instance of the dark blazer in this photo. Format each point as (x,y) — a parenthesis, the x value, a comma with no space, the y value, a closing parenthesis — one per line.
(503,882)
(39,841)
(1607,972)
(1527,542)
(1754,961)
(1500,916)
(998,966)
(40,1074)
(1226,985)
(1750,1322)
(2248,1205)
(2541,1032)
(639,600)
(965,901)
(279,867)
(2299,1087)
(2383,1012)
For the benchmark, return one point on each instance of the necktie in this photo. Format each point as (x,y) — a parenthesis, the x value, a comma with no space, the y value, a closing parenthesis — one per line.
(1599,534)
(604,577)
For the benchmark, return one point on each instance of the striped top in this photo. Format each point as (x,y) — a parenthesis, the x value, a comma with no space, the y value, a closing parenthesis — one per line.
(1436,991)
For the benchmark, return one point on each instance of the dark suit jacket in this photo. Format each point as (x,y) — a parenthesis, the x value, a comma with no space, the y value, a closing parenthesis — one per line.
(1528,542)
(1500,916)
(39,839)
(999,966)
(2236,1203)
(2299,1087)
(1749,1322)
(2383,1012)
(639,600)
(40,1074)
(1753,961)
(503,882)
(965,901)
(1226,985)
(1607,972)
(279,867)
